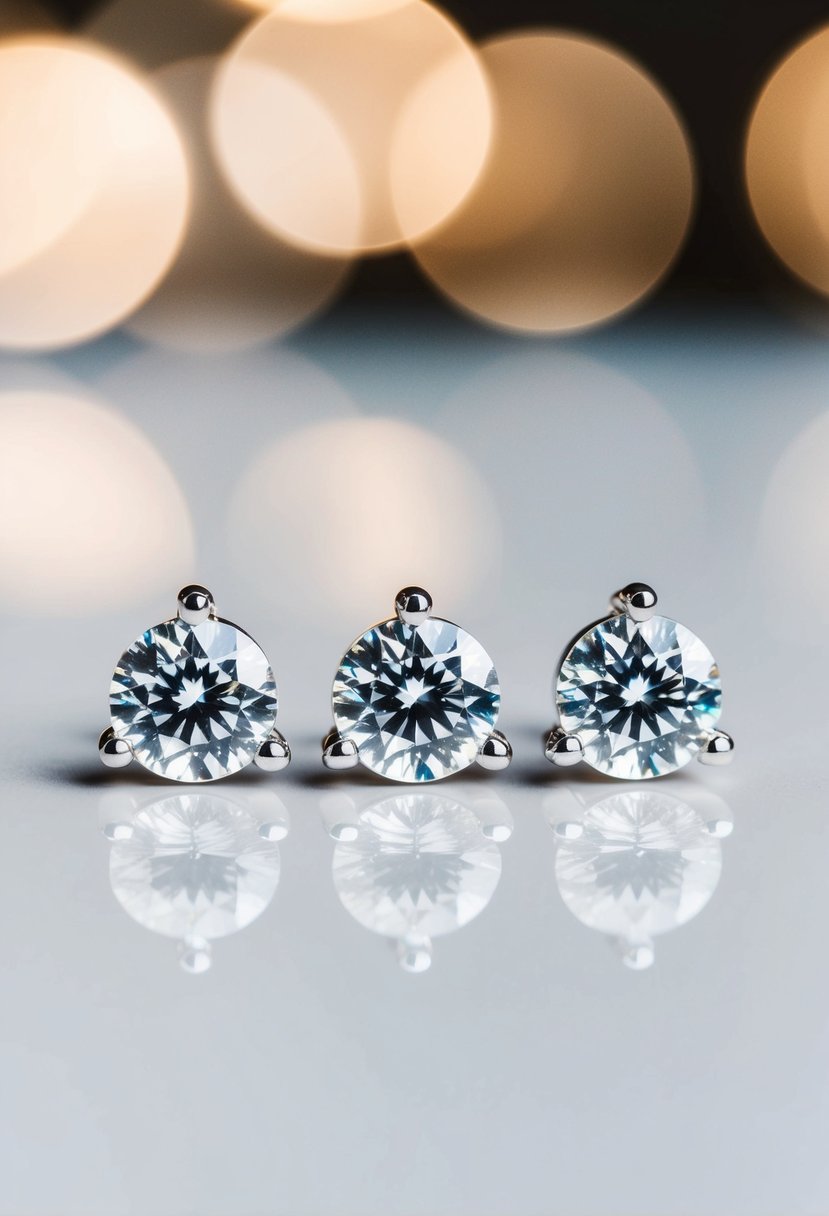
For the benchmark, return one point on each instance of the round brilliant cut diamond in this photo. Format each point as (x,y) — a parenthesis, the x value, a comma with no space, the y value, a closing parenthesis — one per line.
(642,697)
(417,701)
(193,701)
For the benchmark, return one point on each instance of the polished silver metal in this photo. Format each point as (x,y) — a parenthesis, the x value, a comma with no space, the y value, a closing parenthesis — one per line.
(563,749)
(718,750)
(339,753)
(413,605)
(114,752)
(495,752)
(638,600)
(274,754)
(195,604)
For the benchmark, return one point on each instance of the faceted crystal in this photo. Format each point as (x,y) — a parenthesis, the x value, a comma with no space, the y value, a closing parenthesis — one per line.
(418,701)
(641,697)
(194,701)
(196,867)
(644,864)
(420,866)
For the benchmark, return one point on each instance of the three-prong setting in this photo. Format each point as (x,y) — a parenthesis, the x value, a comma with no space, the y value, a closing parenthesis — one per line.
(195,604)
(495,753)
(415,699)
(339,754)
(274,754)
(638,695)
(563,749)
(114,752)
(718,749)
(194,698)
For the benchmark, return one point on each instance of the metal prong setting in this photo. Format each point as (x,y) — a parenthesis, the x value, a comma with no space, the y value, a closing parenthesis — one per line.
(562,749)
(495,752)
(719,749)
(413,605)
(638,600)
(274,754)
(195,604)
(339,753)
(114,752)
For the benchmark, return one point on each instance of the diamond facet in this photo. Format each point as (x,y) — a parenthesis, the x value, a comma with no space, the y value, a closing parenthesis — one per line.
(418,701)
(642,697)
(195,867)
(644,864)
(420,866)
(193,701)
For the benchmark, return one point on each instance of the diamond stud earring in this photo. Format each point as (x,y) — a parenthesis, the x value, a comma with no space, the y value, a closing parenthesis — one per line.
(638,695)
(415,699)
(193,699)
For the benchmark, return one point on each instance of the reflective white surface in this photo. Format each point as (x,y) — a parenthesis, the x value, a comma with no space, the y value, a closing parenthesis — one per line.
(526,1072)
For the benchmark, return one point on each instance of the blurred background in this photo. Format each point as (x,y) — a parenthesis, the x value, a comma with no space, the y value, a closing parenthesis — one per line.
(310,300)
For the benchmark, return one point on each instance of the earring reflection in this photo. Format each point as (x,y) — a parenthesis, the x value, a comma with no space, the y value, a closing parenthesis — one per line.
(637,864)
(415,866)
(195,867)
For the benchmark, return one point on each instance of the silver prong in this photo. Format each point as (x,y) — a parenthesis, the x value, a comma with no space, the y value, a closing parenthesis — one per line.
(569,830)
(195,604)
(413,605)
(718,749)
(562,749)
(273,832)
(274,754)
(638,600)
(414,953)
(495,752)
(339,753)
(195,955)
(637,955)
(118,831)
(114,752)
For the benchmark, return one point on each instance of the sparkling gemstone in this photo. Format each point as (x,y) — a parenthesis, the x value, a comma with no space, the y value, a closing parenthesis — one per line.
(194,701)
(418,701)
(195,868)
(642,697)
(419,866)
(644,864)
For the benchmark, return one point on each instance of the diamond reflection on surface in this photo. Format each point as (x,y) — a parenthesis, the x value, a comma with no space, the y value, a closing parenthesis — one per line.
(196,867)
(194,701)
(640,863)
(418,701)
(415,866)
(642,697)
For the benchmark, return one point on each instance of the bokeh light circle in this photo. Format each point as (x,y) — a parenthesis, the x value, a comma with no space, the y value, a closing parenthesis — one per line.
(93,516)
(312,122)
(585,199)
(98,216)
(794,533)
(233,285)
(787,151)
(344,513)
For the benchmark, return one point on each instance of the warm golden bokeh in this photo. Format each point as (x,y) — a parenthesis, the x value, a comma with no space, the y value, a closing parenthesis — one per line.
(321,126)
(344,513)
(328,10)
(99,214)
(93,516)
(585,199)
(233,284)
(787,161)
